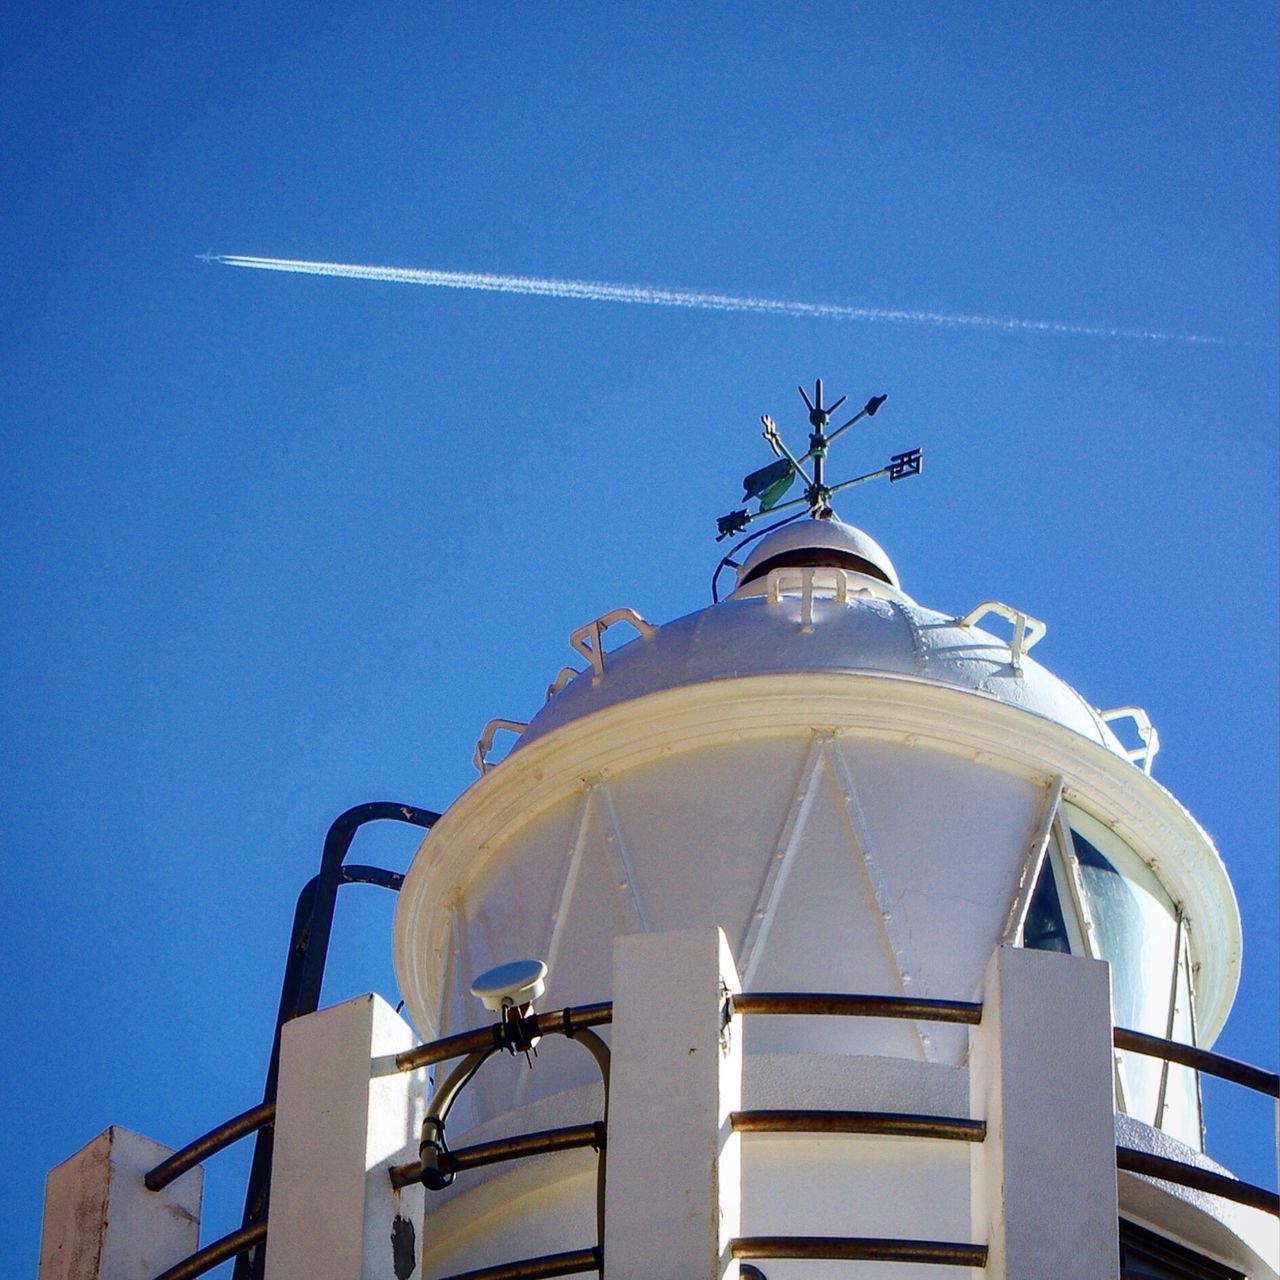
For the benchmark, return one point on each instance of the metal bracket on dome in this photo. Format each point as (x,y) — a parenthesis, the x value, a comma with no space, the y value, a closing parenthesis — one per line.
(784,580)
(563,677)
(1027,631)
(808,583)
(481,757)
(587,640)
(1145,754)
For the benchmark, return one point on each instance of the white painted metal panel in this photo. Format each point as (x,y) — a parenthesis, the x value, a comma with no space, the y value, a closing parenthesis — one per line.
(101,1222)
(979,763)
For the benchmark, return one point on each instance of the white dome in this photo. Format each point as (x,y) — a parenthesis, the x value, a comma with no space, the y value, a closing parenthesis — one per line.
(876,630)
(831,542)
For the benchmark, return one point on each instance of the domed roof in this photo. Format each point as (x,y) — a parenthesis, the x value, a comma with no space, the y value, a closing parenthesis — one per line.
(819,542)
(843,620)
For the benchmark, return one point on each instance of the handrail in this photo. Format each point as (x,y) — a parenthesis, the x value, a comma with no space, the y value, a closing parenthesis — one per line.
(1187,1055)
(551,1264)
(481,757)
(831,1004)
(230,1246)
(256,1119)
(543,1142)
(1144,755)
(566,1022)
(588,638)
(1027,631)
(859,1249)
(202,1148)
(1189,1175)
(304,972)
(881,1123)
(517,1034)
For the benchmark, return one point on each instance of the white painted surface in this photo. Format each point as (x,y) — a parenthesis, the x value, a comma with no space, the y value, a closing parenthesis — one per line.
(101,1222)
(828,535)
(546,1204)
(841,1185)
(846,859)
(1044,1181)
(1241,1237)
(703,781)
(343,1118)
(674,1163)
(857,790)
(822,619)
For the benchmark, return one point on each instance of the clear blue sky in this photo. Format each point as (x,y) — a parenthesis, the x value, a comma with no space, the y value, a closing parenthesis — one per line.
(273,546)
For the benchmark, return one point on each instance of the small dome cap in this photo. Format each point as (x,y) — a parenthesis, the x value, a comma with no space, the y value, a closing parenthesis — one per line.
(812,543)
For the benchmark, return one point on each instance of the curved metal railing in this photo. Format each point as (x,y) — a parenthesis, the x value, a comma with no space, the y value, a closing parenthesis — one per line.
(968,1013)
(953,1128)
(1130,1160)
(1257,1079)
(552,1264)
(230,1246)
(883,1124)
(437,1164)
(1187,1055)
(194,1153)
(500,1150)
(566,1022)
(837,1005)
(570,1021)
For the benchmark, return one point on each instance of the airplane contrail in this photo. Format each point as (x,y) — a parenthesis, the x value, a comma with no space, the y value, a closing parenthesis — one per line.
(599,291)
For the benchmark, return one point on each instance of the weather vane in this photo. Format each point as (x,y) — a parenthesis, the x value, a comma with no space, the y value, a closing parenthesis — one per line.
(771,484)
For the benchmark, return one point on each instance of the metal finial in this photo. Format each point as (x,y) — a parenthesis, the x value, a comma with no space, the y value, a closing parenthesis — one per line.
(769,485)
(819,416)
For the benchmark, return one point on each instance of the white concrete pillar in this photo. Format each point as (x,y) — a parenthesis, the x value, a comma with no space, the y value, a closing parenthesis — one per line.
(344,1116)
(101,1222)
(674,1188)
(1040,1075)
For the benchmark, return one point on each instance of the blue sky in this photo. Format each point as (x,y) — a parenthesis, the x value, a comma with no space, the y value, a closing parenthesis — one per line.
(273,546)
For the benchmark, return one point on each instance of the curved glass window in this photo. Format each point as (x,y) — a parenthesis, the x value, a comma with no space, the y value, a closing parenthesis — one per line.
(1045,928)
(1100,889)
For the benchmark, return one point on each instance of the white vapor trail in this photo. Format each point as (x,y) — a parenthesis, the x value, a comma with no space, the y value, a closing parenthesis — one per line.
(598,291)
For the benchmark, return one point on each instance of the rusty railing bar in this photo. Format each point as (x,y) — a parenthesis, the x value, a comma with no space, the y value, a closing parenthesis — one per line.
(860,1249)
(1187,1055)
(206,1259)
(551,1264)
(831,1004)
(202,1148)
(544,1142)
(885,1123)
(1189,1175)
(566,1022)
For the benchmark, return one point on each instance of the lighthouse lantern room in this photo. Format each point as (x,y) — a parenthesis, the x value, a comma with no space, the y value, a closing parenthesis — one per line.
(817,933)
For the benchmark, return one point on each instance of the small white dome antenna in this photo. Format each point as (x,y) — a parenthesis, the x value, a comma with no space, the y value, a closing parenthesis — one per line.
(513,986)
(510,990)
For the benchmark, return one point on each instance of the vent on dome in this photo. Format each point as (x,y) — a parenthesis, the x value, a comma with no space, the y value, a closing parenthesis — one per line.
(816,558)
(814,544)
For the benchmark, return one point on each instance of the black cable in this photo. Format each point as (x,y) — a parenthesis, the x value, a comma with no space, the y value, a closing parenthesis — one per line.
(737,546)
